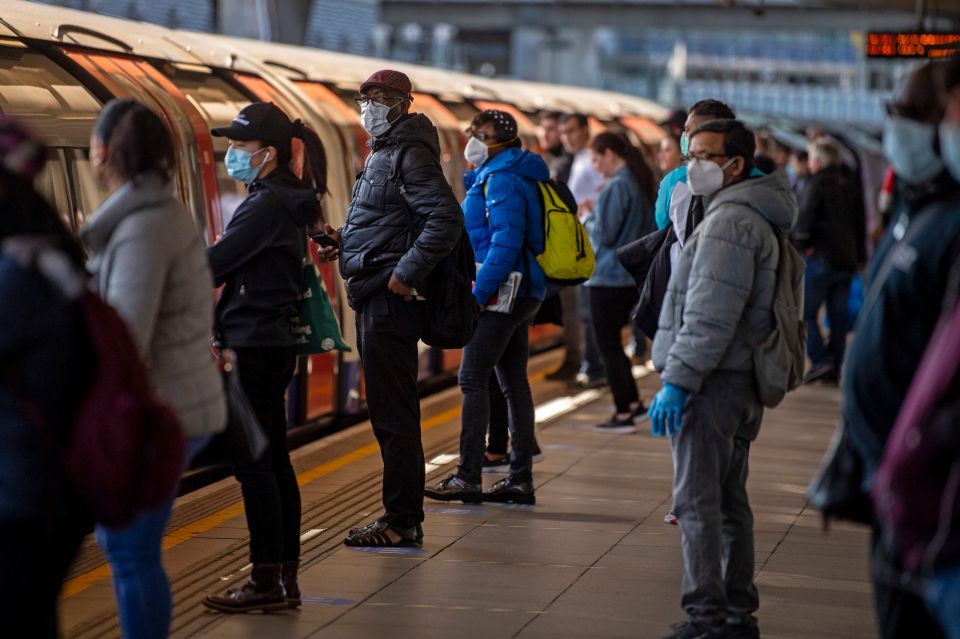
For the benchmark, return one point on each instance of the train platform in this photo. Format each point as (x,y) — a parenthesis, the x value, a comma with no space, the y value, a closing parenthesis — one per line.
(592,558)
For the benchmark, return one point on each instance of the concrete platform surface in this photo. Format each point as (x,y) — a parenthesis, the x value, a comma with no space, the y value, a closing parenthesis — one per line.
(591,559)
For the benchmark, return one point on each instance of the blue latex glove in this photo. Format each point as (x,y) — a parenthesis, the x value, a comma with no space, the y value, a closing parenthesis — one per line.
(666,410)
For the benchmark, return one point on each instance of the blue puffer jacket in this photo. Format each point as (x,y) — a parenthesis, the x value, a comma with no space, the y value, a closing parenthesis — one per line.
(505,223)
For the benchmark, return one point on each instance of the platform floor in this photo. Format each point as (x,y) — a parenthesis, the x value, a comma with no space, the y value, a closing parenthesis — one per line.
(591,559)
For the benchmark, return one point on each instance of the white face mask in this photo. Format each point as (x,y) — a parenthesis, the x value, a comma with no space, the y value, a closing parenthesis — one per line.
(705,177)
(374,118)
(476,152)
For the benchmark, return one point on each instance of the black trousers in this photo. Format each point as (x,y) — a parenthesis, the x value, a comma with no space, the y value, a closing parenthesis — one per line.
(37,557)
(610,308)
(388,329)
(271,496)
(498,434)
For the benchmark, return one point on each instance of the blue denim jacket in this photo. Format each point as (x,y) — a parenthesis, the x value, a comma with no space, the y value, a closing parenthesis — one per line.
(622,214)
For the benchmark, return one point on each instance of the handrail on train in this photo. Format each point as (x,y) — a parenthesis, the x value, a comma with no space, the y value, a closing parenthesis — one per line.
(62,30)
(288,67)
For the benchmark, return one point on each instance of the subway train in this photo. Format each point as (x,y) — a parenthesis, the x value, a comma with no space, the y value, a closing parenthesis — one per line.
(59,66)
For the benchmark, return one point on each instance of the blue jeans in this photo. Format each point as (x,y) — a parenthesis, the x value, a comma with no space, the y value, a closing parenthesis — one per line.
(500,342)
(139,582)
(592,365)
(824,284)
(943,598)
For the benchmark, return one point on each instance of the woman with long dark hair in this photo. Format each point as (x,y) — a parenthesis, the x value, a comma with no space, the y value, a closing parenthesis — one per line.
(43,348)
(623,213)
(259,262)
(148,262)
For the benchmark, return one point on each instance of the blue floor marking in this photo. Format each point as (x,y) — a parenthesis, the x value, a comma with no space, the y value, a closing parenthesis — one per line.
(401,550)
(328,601)
(453,511)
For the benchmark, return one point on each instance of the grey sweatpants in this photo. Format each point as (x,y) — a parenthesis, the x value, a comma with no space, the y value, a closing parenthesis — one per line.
(710,497)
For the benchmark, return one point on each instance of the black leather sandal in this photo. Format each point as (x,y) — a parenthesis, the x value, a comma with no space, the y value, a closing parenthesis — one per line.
(375,536)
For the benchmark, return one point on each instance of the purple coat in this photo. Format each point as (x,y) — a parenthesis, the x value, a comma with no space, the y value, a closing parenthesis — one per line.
(923,453)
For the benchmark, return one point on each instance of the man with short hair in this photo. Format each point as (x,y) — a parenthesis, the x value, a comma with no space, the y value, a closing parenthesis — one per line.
(551,148)
(719,300)
(673,197)
(402,187)
(585,184)
(831,233)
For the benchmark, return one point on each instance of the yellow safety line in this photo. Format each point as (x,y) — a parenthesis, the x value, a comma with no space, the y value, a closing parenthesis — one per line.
(82,582)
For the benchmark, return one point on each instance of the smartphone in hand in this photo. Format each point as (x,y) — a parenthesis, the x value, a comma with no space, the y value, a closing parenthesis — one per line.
(324,240)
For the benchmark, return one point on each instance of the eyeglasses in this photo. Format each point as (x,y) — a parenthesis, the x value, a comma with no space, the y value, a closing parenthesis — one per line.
(704,155)
(363,100)
(483,137)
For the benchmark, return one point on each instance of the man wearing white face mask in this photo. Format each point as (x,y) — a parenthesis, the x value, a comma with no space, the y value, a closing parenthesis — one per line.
(906,281)
(403,219)
(720,293)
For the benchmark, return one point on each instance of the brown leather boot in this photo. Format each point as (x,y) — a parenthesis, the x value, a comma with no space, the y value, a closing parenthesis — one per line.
(290,585)
(263,591)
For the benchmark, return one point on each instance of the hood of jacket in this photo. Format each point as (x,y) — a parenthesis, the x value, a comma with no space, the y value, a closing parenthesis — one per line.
(518,161)
(413,127)
(770,195)
(298,198)
(144,192)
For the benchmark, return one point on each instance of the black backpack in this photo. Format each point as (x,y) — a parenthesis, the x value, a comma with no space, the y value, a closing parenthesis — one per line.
(452,310)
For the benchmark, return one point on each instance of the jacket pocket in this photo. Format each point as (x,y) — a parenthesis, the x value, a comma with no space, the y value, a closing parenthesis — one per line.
(371,190)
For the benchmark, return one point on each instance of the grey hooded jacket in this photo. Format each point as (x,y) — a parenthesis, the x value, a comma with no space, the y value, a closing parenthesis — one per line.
(722,286)
(149,263)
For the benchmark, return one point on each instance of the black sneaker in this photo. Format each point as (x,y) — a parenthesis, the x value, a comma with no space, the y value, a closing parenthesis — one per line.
(455,489)
(616,425)
(639,413)
(508,491)
(693,630)
(498,464)
(742,627)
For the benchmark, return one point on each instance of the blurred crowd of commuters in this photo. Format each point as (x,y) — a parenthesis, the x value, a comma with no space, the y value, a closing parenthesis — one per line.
(728,195)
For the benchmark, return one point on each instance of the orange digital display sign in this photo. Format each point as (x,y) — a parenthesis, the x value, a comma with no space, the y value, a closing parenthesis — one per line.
(912,45)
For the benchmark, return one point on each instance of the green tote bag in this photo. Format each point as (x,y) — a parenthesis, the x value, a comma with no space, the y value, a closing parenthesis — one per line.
(315,326)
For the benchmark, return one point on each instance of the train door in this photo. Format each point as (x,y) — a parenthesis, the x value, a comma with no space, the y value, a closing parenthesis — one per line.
(125,76)
(319,384)
(61,111)
(452,139)
(354,137)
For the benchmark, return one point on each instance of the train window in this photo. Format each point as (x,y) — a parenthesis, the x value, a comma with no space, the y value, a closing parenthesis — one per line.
(52,184)
(214,97)
(88,194)
(463,110)
(31,84)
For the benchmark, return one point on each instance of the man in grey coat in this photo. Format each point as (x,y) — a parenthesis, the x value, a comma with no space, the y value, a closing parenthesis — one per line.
(719,298)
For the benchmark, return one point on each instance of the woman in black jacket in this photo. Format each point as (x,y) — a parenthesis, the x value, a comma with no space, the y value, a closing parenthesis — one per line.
(259,262)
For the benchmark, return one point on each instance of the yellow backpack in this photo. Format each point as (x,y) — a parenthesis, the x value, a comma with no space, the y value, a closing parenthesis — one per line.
(567,257)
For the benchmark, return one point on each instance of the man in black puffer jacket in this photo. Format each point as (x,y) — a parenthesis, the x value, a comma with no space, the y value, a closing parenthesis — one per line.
(403,219)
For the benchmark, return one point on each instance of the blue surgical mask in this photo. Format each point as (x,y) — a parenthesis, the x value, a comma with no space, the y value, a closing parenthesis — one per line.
(950,148)
(238,165)
(684,144)
(908,145)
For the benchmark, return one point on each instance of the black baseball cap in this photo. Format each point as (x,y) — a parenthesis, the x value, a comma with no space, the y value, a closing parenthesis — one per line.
(258,121)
